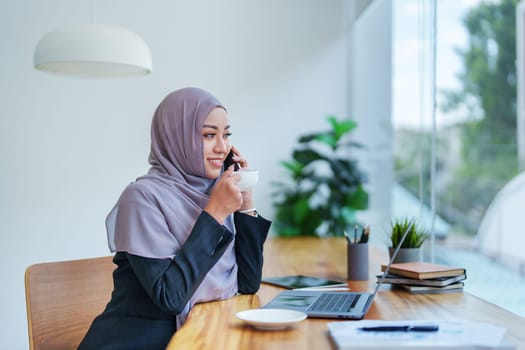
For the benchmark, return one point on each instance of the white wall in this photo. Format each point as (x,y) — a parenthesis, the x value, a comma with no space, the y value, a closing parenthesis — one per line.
(69,146)
(371,91)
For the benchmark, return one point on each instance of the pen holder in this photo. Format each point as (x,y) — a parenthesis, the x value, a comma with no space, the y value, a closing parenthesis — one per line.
(357,261)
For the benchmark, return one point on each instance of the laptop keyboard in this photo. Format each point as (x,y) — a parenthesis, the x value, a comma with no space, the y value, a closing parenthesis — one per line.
(335,302)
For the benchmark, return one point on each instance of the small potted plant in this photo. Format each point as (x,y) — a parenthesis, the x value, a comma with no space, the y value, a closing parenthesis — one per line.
(411,248)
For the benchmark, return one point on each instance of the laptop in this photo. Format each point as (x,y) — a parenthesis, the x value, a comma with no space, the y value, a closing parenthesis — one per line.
(321,304)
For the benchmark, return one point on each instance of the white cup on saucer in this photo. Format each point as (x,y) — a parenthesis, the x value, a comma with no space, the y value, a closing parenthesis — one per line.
(249,178)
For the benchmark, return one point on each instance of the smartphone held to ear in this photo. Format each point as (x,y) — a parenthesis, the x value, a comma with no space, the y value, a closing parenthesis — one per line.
(229,161)
(249,177)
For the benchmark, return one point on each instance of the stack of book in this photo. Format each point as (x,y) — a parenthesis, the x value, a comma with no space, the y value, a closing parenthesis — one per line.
(423,277)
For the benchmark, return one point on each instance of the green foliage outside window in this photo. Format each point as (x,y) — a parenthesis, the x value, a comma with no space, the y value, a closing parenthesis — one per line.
(489,138)
(488,154)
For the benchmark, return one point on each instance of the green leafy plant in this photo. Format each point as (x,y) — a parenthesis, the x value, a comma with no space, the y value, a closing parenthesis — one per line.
(416,235)
(325,187)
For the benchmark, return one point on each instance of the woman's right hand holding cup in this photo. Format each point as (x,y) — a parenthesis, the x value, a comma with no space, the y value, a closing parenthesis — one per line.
(226,197)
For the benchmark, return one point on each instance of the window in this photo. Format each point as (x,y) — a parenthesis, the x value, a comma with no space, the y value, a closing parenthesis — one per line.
(460,161)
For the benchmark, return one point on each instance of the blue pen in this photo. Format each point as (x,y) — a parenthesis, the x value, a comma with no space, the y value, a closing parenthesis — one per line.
(407,328)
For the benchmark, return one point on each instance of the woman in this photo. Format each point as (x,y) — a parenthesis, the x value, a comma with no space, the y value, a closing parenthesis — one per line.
(183,233)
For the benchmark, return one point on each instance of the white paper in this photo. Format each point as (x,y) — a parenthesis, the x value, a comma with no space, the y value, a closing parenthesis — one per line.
(451,334)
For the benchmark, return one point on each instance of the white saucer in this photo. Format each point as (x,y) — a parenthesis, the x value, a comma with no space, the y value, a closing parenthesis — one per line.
(271,319)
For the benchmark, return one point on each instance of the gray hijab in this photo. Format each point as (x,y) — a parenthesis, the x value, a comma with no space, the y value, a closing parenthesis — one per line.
(155,214)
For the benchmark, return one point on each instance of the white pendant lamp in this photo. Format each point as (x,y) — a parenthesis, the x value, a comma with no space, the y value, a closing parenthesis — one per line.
(93,50)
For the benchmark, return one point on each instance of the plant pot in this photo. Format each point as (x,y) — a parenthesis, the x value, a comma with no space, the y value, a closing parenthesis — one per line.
(405,254)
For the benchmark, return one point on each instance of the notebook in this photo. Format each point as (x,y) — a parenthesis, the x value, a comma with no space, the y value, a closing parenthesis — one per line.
(320,304)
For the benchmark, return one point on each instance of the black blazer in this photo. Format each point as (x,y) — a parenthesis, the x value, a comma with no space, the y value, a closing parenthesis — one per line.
(149,293)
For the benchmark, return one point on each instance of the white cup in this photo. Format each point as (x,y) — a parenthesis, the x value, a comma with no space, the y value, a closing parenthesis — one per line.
(249,178)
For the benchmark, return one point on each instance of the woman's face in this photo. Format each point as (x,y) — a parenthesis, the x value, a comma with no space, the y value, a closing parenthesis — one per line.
(216,139)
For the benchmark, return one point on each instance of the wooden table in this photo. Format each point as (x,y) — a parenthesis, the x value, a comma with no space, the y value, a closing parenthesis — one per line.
(214,325)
